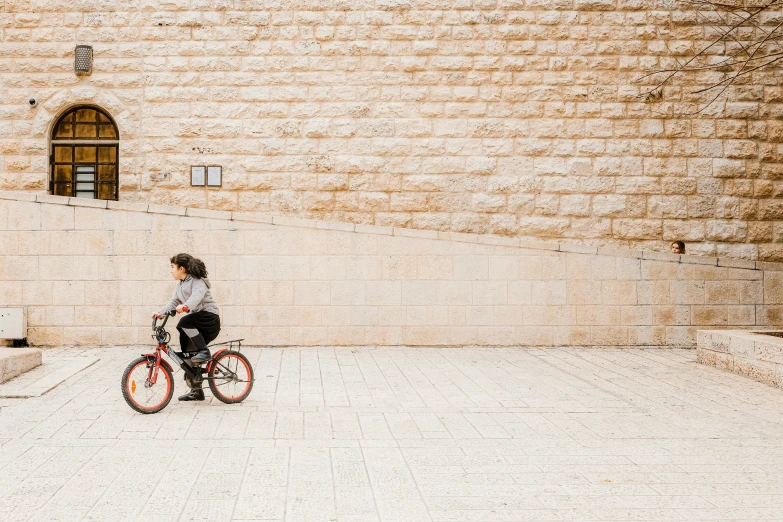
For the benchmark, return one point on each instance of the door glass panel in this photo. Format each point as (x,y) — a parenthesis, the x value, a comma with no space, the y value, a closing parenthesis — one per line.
(85,154)
(87,195)
(88,176)
(62,173)
(85,186)
(107,154)
(62,189)
(63,155)
(106,191)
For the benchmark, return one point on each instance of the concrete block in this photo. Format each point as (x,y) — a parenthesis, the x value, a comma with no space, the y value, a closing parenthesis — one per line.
(16,361)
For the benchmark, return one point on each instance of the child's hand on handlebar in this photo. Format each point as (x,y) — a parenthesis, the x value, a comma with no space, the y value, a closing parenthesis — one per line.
(182,309)
(156,315)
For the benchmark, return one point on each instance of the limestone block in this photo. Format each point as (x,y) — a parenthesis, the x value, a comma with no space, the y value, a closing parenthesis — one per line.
(492,293)
(742,315)
(583,292)
(313,293)
(257,267)
(270,336)
(383,293)
(773,288)
(420,292)
(82,336)
(469,268)
(610,335)
(32,243)
(67,292)
(435,267)
(548,292)
(707,315)
(741,347)
(119,336)
(628,268)
(22,268)
(769,351)
(37,293)
(57,217)
(24,215)
(45,336)
(399,267)
(423,335)
(705,356)
(762,371)
(671,315)
(647,336)
(618,292)
(11,292)
(328,268)
(598,315)
(336,315)
(60,315)
(573,336)
(636,315)
(455,293)
(722,292)
(86,218)
(383,335)
(550,315)
(687,292)
(534,335)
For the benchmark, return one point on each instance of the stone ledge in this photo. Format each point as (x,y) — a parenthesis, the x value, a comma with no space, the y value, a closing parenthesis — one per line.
(462,237)
(16,361)
(747,352)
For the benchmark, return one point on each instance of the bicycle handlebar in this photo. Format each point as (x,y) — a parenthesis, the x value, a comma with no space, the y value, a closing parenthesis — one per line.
(170,313)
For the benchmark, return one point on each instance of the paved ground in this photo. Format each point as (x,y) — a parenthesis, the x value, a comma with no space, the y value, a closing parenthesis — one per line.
(406,435)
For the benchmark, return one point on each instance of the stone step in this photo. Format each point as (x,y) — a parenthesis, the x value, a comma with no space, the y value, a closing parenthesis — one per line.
(16,361)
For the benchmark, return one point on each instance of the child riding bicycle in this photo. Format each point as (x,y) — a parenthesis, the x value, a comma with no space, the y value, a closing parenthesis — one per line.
(201,325)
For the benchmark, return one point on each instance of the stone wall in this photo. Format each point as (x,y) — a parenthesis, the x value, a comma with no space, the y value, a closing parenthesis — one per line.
(510,117)
(93,275)
(748,353)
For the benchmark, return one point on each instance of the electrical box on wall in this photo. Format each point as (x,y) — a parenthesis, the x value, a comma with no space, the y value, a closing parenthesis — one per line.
(13,323)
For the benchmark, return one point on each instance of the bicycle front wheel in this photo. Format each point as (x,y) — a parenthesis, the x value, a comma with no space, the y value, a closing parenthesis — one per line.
(140,393)
(231,377)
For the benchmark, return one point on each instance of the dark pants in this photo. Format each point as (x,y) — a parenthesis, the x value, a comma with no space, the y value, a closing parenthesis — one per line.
(198,329)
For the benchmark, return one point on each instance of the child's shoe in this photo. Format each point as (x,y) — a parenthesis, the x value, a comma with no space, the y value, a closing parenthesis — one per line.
(193,395)
(201,356)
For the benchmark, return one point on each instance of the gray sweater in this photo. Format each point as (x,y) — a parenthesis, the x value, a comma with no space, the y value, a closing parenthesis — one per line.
(194,293)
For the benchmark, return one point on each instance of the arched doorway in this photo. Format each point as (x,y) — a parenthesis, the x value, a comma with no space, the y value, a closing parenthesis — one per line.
(85,155)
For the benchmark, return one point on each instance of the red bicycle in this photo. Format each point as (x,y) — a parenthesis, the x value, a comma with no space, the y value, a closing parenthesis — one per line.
(148,382)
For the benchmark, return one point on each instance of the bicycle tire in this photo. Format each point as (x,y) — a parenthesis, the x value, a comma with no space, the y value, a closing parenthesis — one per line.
(218,366)
(129,388)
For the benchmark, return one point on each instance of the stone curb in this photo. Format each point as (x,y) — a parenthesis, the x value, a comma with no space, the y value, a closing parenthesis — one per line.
(461,237)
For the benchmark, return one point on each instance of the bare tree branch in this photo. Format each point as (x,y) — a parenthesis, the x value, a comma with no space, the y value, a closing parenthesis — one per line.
(743,42)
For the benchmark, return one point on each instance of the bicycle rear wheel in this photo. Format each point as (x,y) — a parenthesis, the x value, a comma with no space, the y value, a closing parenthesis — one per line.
(139,393)
(231,377)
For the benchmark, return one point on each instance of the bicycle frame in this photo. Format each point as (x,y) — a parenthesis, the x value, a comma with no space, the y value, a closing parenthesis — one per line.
(162,337)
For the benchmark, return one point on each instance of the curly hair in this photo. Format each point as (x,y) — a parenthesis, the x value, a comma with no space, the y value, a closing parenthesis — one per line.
(193,266)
